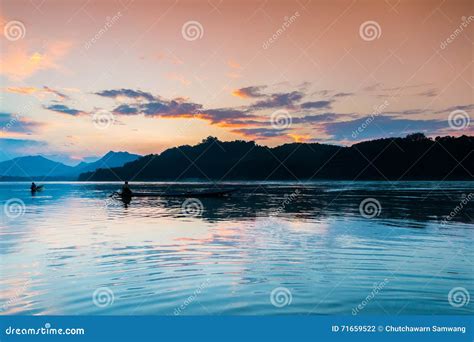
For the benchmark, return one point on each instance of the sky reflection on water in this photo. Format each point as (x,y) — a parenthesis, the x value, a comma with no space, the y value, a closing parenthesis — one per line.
(155,259)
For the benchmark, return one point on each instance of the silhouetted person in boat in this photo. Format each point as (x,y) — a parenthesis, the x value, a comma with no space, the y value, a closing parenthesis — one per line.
(33,187)
(126,192)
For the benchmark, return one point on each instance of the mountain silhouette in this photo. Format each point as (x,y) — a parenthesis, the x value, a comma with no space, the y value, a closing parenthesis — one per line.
(33,166)
(414,157)
(29,167)
(111,159)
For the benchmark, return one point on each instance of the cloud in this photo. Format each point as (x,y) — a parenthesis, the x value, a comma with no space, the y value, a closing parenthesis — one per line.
(63,109)
(128,93)
(465,108)
(273,100)
(249,92)
(176,108)
(22,90)
(404,87)
(384,92)
(261,133)
(126,109)
(59,94)
(343,94)
(234,65)
(169,108)
(406,112)
(226,116)
(287,100)
(243,120)
(34,90)
(317,118)
(316,105)
(373,87)
(299,138)
(18,63)
(179,109)
(381,126)
(17,124)
(428,93)
(242,117)
(331,93)
(324,92)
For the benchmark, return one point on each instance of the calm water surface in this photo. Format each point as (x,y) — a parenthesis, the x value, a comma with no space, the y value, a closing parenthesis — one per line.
(153,257)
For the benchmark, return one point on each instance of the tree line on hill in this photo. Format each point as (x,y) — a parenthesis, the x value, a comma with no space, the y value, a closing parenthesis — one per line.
(414,157)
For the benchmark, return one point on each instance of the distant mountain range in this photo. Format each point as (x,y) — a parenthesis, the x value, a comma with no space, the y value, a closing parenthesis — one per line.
(41,168)
(414,157)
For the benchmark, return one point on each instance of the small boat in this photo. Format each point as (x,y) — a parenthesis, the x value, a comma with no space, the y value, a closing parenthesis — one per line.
(187,194)
(38,188)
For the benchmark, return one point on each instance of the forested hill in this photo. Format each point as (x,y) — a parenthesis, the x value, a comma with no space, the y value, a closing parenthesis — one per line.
(414,157)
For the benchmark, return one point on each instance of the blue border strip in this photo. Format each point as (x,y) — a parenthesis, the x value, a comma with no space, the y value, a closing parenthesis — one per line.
(235,328)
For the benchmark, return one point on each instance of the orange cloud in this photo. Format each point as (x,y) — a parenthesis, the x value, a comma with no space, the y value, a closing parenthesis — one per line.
(300,137)
(234,65)
(22,90)
(225,124)
(236,68)
(18,63)
(240,93)
(39,92)
(249,92)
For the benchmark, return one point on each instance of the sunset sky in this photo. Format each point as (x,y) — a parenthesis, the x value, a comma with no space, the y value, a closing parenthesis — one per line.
(80,78)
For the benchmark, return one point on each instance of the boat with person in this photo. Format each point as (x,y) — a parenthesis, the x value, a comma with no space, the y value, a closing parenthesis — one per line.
(36,188)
